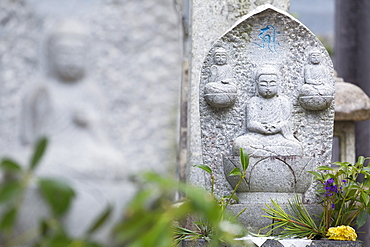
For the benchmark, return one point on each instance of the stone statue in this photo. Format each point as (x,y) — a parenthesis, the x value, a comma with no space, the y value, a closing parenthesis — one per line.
(267,120)
(66,108)
(315,76)
(220,92)
(317,92)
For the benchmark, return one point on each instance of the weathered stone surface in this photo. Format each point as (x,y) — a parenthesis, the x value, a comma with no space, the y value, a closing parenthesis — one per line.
(351,102)
(331,243)
(264,242)
(275,62)
(122,108)
(272,243)
(209,20)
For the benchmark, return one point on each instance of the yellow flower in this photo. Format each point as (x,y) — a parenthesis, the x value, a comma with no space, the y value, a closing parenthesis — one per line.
(342,233)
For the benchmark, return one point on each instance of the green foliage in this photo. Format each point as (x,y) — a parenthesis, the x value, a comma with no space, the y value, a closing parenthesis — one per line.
(150,219)
(294,222)
(38,152)
(56,194)
(345,197)
(203,227)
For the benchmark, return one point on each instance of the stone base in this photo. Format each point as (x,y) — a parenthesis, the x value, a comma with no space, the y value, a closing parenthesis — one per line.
(252,218)
(265,242)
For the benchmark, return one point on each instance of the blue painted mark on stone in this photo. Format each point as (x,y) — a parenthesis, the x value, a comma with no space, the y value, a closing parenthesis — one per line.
(268,38)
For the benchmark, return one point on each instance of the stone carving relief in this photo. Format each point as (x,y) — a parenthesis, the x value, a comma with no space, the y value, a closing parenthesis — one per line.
(317,93)
(268,116)
(66,107)
(220,92)
(278,65)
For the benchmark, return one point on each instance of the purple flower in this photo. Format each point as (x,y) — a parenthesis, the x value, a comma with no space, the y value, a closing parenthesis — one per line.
(329,181)
(330,187)
(332,206)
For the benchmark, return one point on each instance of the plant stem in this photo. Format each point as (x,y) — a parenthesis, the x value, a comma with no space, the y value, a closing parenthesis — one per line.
(213,185)
(235,189)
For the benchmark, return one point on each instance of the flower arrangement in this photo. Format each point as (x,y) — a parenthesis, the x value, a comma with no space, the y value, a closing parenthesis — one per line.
(342,233)
(345,196)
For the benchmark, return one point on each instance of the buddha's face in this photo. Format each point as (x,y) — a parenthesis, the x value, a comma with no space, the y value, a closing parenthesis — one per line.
(68,57)
(267,85)
(220,58)
(315,57)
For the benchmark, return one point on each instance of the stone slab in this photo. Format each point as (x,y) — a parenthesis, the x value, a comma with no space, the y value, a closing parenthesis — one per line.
(287,132)
(209,20)
(132,69)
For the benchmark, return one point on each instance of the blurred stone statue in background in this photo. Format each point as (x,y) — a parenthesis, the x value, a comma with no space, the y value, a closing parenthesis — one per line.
(67,108)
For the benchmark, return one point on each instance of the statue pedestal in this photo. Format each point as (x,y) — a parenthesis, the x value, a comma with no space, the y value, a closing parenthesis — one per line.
(270,177)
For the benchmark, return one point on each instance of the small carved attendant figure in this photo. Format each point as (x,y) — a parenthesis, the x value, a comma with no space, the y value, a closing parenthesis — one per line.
(317,92)
(268,114)
(316,76)
(220,91)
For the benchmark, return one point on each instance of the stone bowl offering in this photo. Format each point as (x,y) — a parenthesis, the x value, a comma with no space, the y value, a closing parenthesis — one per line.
(315,102)
(220,95)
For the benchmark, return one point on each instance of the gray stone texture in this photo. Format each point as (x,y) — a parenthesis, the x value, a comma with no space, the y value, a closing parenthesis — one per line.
(351,102)
(331,243)
(276,61)
(133,62)
(209,20)
(224,130)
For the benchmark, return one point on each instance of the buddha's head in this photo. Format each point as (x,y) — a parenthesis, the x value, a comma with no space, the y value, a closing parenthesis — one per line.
(220,56)
(67,46)
(315,56)
(267,80)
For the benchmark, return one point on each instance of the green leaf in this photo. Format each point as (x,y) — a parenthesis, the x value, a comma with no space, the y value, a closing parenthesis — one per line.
(325,168)
(362,218)
(38,152)
(360,160)
(100,220)
(57,194)
(366,182)
(205,168)
(345,164)
(9,191)
(316,174)
(235,172)
(8,218)
(244,159)
(328,176)
(10,165)
(365,198)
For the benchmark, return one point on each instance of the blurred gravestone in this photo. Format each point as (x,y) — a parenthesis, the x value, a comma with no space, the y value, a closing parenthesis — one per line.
(100,79)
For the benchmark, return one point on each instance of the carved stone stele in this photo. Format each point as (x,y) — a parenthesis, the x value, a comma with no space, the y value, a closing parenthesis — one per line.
(283,112)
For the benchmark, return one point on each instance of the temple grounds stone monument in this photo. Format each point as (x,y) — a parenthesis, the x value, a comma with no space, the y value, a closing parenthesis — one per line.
(274,99)
(67,108)
(100,79)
